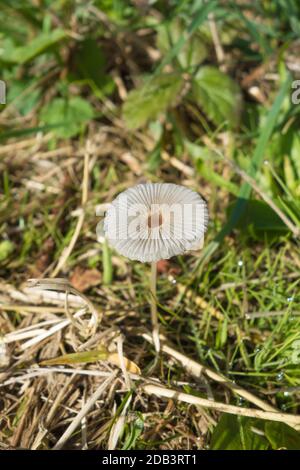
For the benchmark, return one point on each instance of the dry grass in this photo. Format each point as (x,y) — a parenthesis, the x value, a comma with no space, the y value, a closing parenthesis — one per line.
(96,405)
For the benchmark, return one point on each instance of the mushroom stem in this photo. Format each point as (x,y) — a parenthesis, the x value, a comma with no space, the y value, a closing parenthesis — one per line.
(154,318)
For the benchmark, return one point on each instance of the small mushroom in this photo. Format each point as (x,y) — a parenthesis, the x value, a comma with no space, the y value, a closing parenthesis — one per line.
(154,221)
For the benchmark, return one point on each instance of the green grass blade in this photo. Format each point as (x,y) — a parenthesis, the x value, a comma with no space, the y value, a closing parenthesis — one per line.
(107,264)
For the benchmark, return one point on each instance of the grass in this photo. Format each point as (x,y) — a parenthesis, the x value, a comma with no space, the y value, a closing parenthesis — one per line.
(82,373)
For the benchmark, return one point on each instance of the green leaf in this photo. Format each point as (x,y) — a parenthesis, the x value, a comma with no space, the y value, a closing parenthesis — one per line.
(78,358)
(38,45)
(282,436)
(135,430)
(204,159)
(6,248)
(194,50)
(238,433)
(71,115)
(259,217)
(95,355)
(197,151)
(151,99)
(90,65)
(154,158)
(218,95)
(214,178)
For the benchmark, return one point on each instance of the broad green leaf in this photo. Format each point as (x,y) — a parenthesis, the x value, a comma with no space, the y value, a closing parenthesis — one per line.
(90,64)
(259,217)
(71,115)
(238,433)
(282,436)
(38,45)
(151,99)
(6,248)
(218,95)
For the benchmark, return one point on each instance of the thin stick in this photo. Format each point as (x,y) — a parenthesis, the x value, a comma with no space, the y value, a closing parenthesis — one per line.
(196,369)
(154,318)
(217,43)
(291,420)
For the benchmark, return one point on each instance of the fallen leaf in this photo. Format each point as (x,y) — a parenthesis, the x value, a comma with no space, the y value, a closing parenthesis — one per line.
(82,279)
(164,266)
(130,366)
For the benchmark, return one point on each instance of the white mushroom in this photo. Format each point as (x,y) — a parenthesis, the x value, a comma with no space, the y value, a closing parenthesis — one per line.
(156,221)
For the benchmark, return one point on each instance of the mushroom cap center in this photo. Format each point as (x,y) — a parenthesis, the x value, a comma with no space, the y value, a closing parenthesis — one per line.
(154,220)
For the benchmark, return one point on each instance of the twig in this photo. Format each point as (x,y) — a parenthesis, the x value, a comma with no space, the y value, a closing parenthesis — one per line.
(291,420)
(197,369)
(217,43)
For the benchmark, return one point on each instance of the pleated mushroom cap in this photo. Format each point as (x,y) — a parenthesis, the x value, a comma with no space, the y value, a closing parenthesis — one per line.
(155,221)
